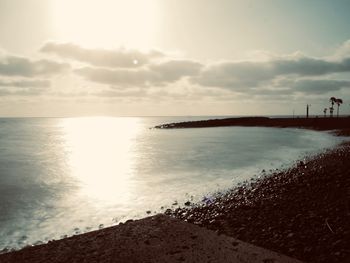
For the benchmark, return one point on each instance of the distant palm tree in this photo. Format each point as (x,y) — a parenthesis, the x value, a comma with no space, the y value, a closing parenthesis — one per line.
(332,100)
(338,102)
(325,112)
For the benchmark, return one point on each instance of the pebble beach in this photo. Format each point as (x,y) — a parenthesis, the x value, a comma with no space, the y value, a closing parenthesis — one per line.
(302,212)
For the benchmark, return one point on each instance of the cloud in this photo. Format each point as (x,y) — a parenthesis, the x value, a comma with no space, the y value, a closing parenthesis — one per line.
(20,92)
(319,86)
(113,92)
(342,51)
(155,75)
(235,75)
(269,76)
(174,70)
(244,75)
(23,87)
(20,66)
(102,57)
(120,77)
(305,66)
(279,75)
(25,83)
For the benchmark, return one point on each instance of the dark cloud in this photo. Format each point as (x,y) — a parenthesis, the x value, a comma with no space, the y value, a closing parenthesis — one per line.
(235,75)
(305,66)
(158,74)
(319,86)
(20,66)
(246,75)
(25,83)
(102,57)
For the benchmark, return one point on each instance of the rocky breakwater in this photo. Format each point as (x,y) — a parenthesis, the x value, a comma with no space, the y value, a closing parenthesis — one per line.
(303,212)
(309,123)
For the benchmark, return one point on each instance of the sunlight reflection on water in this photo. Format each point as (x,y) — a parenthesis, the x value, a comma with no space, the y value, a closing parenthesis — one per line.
(69,175)
(101,155)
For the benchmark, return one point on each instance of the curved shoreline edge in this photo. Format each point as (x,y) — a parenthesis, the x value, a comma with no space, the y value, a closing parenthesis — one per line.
(302,212)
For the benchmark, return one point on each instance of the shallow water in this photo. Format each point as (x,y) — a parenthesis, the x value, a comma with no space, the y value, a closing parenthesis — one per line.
(60,176)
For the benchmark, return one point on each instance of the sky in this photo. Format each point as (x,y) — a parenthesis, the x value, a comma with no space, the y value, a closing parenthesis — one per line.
(172,57)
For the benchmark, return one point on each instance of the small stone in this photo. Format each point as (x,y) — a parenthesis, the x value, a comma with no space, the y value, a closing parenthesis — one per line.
(168,211)
(5,250)
(40,242)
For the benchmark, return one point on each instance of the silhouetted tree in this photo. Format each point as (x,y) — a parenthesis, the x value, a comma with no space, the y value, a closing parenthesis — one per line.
(325,112)
(338,102)
(332,100)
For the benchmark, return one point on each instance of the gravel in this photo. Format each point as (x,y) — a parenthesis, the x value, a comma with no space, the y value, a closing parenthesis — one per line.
(302,212)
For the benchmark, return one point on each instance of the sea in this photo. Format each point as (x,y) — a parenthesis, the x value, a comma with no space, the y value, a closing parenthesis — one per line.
(65,176)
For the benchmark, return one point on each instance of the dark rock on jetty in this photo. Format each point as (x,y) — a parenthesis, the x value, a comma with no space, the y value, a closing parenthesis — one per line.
(303,212)
(311,123)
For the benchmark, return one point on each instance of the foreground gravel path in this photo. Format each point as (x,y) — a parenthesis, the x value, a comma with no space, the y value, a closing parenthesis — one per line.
(154,239)
(303,212)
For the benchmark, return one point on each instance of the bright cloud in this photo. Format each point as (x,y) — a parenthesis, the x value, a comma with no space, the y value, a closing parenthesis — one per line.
(154,75)
(120,58)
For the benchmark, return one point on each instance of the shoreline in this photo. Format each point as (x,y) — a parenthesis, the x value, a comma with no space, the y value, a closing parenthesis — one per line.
(302,212)
(266,212)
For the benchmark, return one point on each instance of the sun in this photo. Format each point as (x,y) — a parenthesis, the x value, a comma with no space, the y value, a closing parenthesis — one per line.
(106,23)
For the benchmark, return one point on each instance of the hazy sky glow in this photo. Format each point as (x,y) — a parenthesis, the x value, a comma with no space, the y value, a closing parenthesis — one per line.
(171,57)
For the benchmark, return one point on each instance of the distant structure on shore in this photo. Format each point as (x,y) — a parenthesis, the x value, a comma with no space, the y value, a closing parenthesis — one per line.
(307,110)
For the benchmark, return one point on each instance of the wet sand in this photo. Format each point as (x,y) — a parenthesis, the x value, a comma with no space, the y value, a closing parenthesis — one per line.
(303,212)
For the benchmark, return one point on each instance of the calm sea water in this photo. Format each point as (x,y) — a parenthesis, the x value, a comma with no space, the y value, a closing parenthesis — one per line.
(61,176)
